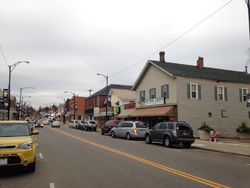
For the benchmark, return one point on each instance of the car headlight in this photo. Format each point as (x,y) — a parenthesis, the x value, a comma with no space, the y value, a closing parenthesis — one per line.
(26,145)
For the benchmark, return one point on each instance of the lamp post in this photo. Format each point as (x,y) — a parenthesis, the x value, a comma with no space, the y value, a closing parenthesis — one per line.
(74,102)
(106,94)
(22,105)
(11,68)
(20,99)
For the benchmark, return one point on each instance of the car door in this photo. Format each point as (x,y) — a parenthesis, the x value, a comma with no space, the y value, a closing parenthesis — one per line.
(162,130)
(117,129)
(155,130)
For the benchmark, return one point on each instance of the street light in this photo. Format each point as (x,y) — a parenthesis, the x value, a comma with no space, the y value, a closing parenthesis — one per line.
(20,99)
(74,101)
(22,105)
(61,98)
(11,68)
(106,94)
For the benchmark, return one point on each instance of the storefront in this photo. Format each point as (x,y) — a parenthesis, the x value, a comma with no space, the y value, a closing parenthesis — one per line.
(151,116)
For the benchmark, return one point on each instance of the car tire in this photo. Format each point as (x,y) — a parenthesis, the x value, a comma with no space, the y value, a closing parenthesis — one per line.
(32,167)
(187,145)
(113,134)
(102,132)
(148,139)
(128,136)
(167,142)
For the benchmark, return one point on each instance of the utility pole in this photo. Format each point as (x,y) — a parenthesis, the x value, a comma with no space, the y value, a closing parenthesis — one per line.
(248,7)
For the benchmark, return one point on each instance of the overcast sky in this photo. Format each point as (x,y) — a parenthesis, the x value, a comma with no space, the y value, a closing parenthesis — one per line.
(68,42)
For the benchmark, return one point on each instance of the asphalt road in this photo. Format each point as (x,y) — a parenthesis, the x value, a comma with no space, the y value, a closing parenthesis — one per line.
(76,159)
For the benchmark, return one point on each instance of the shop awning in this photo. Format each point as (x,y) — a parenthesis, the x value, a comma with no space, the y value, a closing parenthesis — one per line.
(126,113)
(159,111)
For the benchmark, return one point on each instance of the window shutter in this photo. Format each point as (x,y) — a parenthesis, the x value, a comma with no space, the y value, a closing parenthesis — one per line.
(162,91)
(215,93)
(225,91)
(167,92)
(144,95)
(240,90)
(149,93)
(199,91)
(155,92)
(140,95)
(188,91)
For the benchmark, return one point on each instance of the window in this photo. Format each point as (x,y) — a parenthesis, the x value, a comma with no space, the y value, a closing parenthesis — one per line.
(165,91)
(170,126)
(157,126)
(163,126)
(152,94)
(243,94)
(142,96)
(224,113)
(209,114)
(193,91)
(96,101)
(220,93)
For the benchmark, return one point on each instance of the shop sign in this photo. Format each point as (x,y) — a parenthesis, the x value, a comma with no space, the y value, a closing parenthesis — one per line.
(155,101)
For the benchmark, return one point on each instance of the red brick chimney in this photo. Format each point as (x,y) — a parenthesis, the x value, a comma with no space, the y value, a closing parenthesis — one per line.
(162,56)
(200,63)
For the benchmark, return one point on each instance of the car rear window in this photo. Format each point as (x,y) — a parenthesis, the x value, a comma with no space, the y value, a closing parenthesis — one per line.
(183,126)
(92,122)
(141,125)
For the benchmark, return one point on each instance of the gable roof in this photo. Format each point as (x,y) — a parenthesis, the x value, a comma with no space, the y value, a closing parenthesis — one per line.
(124,94)
(175,69)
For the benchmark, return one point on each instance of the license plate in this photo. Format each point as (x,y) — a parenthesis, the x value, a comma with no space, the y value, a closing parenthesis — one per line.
(3,161)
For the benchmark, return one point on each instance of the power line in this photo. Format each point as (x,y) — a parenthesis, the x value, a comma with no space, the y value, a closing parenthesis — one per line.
(3,56)
(173,40)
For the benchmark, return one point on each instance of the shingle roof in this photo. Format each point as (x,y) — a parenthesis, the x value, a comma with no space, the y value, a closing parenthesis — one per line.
(205,73)
(111,86)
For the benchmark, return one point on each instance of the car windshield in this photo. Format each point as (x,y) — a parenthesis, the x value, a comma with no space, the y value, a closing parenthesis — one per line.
(14,129)
(140,125)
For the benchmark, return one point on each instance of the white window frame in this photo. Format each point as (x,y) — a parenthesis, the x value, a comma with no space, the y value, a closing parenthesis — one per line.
(142,99)
(218,93)
(152,94)
(244,89)
(191,90)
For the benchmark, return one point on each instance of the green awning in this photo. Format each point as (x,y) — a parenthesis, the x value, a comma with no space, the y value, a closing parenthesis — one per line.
(126,113)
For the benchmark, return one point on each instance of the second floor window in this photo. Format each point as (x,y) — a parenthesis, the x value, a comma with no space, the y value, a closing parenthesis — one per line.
(220,93)
(152,94)
(243,94)
(142,96)
(165,91)
(193,91)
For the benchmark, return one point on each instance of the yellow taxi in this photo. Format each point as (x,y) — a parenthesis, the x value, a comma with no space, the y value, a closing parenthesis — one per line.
(17,145)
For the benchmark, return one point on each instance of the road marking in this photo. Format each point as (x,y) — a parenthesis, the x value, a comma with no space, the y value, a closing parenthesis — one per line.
(198,145)
(52,185)
(36,144)
(168,169)
(174,150)
(41,156)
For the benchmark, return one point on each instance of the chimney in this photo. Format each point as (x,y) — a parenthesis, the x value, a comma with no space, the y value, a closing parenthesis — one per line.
(162,56)
(200,63)
(246,69)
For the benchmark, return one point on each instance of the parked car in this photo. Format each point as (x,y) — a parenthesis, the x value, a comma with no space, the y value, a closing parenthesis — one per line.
(55,124)
(129,130)
(106,128)
(90,125)
(170,133)
(76,124)
(39,124)
(18,147)
(81,125)
(71,124)
(46,122)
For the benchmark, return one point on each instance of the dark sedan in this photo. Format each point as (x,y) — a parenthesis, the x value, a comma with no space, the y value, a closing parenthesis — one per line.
(39,124)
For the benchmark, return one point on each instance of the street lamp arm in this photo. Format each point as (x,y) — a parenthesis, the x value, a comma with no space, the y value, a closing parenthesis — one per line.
(15,64)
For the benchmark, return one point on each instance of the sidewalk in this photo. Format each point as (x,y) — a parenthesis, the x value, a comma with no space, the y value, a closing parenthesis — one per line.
(225,145)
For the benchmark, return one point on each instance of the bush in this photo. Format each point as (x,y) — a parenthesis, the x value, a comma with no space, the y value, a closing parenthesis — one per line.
(243,128)
(205,127)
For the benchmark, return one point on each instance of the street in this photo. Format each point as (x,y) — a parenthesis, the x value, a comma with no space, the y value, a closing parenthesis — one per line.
(73,158)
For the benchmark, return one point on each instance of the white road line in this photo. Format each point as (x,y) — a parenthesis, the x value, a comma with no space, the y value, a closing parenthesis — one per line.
(175,150)
(52,185)
(41,156)
(36,144)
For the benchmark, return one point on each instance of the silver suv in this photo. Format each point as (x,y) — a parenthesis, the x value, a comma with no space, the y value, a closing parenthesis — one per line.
(129,130)
(89,125)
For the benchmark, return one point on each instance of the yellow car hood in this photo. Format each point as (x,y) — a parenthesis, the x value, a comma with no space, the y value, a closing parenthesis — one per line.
(14,140)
